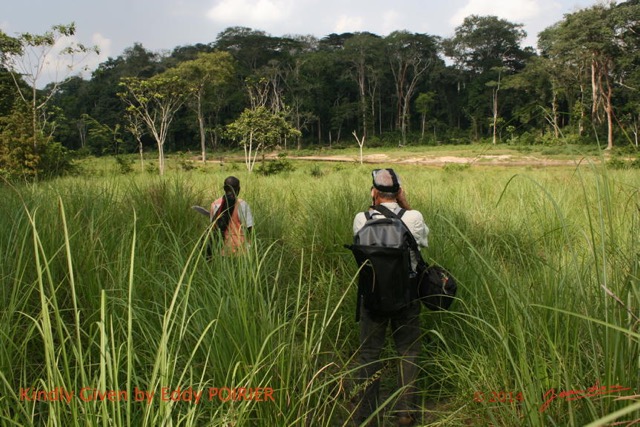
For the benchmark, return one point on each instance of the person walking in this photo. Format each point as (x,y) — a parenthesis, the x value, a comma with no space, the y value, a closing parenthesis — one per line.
(388,194)
(232,219)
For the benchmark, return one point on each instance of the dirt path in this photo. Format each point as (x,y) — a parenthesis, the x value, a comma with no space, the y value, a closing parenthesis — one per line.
(481,160)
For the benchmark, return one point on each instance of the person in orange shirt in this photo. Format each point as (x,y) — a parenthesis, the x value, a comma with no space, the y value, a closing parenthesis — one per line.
(232,219)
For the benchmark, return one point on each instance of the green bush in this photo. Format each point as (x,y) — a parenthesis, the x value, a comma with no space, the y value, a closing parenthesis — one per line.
(185,163)
(275,167)
(456,167)
(124,165)
(151,168)
(617,163)
(316,171)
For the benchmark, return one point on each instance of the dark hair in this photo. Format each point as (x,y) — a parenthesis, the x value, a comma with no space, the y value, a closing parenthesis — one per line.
(231,185)
(231,188)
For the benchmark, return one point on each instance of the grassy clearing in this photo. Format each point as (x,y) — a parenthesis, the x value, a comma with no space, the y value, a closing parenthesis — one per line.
(105,289)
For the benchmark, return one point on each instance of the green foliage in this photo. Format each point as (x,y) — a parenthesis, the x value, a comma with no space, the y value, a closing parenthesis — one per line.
(151,168)
(257,129)
(19,157)
(22,157)
(456,167)
(623,163)
(154,102)
(275,167)
(55,161)
(186,164)
(381,86)
(316,171)
(27,143)
(125,164)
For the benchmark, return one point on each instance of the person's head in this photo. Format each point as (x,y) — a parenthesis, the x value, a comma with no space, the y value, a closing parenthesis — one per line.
(231,186)
(386,185)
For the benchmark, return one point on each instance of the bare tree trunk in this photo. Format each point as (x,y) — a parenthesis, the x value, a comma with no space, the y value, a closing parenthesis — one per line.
(161,157)
(363,100)
(594,90)
(380,115)
(141,155)
(609,110)
(373,89)
(34,118)
(82,130)
(495,108)
(247,151)
(554,109)
(583,114)
(495,115)
(203,137)
(360,144)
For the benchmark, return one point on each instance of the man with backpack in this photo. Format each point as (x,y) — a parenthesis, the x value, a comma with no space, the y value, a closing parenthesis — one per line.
(386,239)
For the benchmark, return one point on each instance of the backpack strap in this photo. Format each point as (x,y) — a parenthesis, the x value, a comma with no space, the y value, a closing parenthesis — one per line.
(412,240)
(373,210)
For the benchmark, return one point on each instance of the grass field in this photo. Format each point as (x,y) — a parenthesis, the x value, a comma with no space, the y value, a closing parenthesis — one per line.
(107,298)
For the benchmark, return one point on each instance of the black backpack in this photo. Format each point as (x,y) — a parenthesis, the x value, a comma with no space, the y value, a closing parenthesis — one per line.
(382,248)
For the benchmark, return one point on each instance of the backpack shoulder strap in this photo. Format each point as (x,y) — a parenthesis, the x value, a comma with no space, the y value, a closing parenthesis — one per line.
(388,212)
(412,240)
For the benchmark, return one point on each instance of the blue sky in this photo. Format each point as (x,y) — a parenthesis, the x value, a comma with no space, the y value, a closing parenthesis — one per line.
(164,24)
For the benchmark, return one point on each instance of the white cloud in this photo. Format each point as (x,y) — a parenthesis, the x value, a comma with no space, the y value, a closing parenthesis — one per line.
(536,15)
(250,12)
(103,44)
(58,66)
(391,21)
(346,24)
(104,48)
(512,10)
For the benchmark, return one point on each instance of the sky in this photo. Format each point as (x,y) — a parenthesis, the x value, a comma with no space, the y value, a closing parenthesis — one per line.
(161,25)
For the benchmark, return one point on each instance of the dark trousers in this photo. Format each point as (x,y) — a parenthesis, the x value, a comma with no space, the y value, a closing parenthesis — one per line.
(405,330)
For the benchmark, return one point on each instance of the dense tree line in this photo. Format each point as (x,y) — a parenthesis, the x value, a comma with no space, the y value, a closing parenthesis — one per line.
(581,85)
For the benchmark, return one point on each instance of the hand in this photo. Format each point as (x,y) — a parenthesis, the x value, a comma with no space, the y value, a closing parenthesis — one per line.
(402,200)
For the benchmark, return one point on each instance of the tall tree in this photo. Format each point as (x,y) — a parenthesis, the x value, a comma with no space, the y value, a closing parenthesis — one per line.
(410,57)
(362,53)
(486,48)
(568,72)
(207,74)
(27,58)
(257,129)
(155,101)
(30,58)
(601,36)
(424,103)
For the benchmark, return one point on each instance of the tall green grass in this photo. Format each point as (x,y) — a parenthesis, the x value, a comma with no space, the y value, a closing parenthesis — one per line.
(105,286)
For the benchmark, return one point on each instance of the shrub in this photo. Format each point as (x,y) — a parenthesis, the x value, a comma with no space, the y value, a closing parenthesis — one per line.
(151,168)
(456,167)
(185,163)
(124,165)
(617,163)
(316,171)
(275,167)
